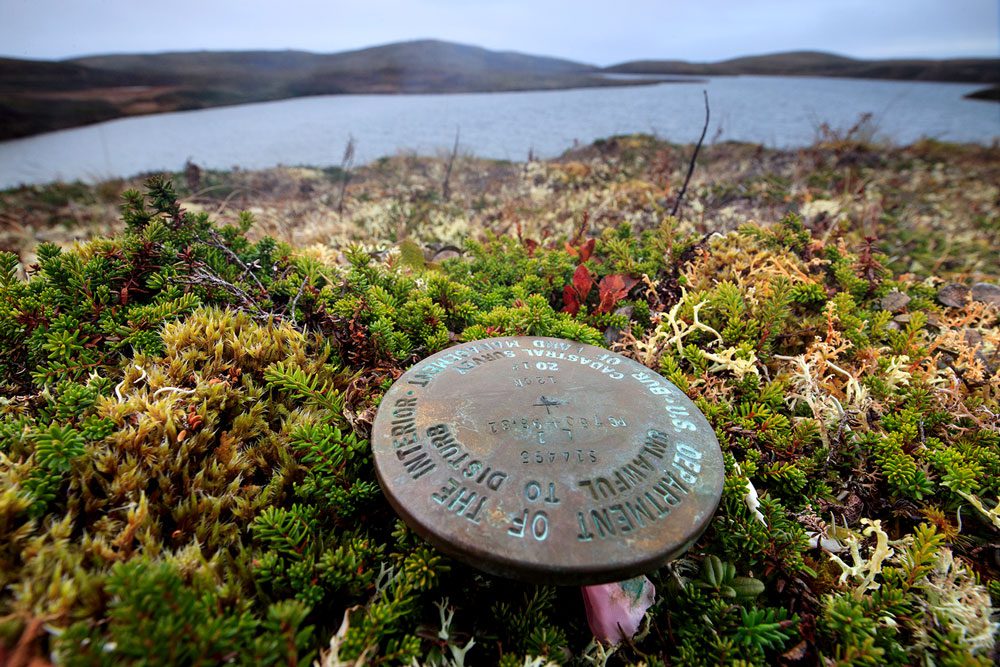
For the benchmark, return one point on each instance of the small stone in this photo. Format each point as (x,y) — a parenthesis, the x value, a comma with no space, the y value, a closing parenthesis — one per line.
(900,320)
(446,252)
(613,334)
(989,363)
(797,652)
(895,301)
(851,508)
(972,337)
(987,293)
(615,611)
(975,340)
(954,295)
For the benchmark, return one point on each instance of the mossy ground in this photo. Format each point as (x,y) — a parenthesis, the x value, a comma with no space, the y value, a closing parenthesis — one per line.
(184,471)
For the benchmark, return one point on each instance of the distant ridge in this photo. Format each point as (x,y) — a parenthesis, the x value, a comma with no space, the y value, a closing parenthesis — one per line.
(418,66)
(818,63)
(40,96)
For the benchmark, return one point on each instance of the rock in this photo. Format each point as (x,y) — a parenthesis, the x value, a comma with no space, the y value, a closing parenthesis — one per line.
(895,301)
(448,252)
(989,363)
(797,652)
(615,611)
(972,337)
(900,321)
(987,293)
(954,295)
(936,320)
(975,340)
(613,334)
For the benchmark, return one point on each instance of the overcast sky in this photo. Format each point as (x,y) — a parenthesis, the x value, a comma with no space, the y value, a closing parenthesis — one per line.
(601,32)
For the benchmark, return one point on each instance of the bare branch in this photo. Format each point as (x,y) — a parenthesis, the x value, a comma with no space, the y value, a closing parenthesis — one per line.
(446,187)
(295,301)
(202,277)
(345,166)
(694,156)
(218,244)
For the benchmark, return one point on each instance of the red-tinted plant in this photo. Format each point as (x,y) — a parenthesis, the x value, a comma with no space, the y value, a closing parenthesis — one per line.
(583,251)
(576,293)
(612,289)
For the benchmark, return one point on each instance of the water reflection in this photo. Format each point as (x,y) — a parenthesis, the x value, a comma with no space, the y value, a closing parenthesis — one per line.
(776,111)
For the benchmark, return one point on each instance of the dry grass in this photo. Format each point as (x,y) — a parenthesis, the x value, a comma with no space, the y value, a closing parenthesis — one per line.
(935,208)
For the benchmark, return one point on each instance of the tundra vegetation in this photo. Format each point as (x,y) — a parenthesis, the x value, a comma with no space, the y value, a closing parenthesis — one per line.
(187,393)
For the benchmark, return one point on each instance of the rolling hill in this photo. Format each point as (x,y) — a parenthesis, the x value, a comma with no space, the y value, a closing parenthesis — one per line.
(41,96)
(816,63)
(38,96)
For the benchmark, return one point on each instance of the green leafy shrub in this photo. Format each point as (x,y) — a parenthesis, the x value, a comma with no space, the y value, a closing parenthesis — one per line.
(185,474)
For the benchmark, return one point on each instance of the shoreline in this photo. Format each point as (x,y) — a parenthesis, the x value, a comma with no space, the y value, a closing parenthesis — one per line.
(624,179)
(81,110)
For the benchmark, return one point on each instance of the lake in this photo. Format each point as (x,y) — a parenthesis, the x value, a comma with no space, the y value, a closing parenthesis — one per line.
(781,112)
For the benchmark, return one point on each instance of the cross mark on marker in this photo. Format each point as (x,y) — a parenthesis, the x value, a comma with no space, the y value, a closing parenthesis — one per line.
(547,403)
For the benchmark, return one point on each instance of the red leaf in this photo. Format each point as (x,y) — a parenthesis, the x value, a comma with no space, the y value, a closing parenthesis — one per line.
(584,251)
(612,289)
(530,245)
(572,304)
(582,281)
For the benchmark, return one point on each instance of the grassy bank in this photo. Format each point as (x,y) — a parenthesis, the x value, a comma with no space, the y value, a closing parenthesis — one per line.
(187,396)
(931,207)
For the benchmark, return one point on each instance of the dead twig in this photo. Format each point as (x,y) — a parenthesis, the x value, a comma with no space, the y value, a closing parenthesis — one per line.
(446,185)
(694,156)
(27,651)
(202,277)
(218,244)
(345,166)
(295,301)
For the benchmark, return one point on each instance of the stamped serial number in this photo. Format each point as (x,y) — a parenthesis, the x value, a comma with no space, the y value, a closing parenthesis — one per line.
(555,423)
(545,430)
(527,381)
(564,456)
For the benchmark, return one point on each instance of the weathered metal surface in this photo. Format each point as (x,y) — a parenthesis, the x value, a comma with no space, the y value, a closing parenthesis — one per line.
(547,460)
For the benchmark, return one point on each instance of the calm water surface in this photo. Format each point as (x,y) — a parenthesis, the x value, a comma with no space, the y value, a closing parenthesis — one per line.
(776,111)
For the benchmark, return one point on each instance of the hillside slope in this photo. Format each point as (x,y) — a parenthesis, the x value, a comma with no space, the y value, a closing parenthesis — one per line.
(42,96)
(817,63)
